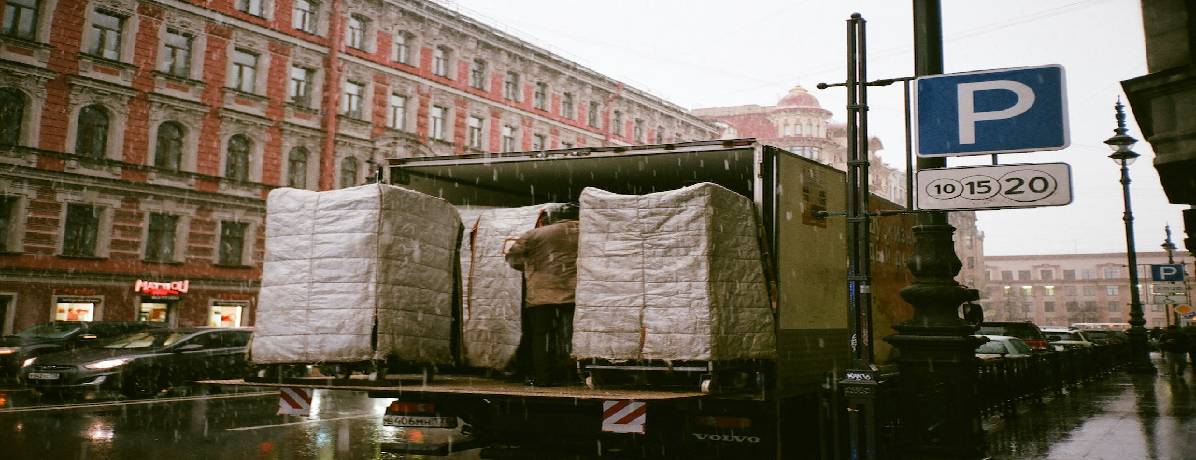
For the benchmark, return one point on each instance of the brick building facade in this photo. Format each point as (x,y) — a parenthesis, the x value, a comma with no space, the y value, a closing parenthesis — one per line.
(1062,289)
(799,124)
(138,139)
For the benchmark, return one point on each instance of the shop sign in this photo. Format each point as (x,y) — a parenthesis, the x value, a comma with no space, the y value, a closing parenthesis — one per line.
(171,289)
(75,291)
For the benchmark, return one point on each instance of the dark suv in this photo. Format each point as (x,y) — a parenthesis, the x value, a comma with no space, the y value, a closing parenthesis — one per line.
(1025,330)
(59,336)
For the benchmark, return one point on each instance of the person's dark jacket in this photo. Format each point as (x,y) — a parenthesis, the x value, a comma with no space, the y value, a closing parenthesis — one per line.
(548,258)
(1174,341)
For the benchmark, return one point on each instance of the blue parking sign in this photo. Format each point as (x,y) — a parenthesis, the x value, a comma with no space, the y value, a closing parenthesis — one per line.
(991,111)
(1166,272)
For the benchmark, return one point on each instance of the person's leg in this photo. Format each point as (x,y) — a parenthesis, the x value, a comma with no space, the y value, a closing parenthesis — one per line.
(541,339)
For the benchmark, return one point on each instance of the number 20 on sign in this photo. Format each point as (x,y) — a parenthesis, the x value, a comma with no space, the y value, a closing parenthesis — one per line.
(995,187)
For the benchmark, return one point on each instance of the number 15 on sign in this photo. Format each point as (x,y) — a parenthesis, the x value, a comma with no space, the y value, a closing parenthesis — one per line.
(995,187)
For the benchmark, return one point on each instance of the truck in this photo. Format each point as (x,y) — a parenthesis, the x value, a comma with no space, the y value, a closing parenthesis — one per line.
(779,413)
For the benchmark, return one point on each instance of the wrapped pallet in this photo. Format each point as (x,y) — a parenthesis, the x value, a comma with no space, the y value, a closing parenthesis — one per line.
(357,274)
(671,276)
(492,291)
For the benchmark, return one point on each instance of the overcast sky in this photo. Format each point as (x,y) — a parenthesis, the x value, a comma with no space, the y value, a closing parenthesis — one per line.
(705,53)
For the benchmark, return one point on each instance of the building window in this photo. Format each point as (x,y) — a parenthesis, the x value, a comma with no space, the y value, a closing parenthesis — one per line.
(1048,291)
(1157,308)
(355,31)
(1069,275)
(176,54)
(9,216)
(351,105)
(1112,273)
(1023,275)
(300,87)
(402,48)
(617,121)
(91,137)
(168,154)
(1073,306)
(510,87)
(438,116)
(232,243)
(159,243)
(297,168)
(20,19)
(81,231)
(105,35)
(637,130)
(1089,291)
(348,172)
(1046,275)
(397,118)
(1069,290)
(538,142)
(244,71)
(1111,290)
(1087,273)
(1027,291)
(1114,307)
(592,116)
(236,166)
(1048,307)
(303,16)
(475,132)
(567,106)
(253,7)
(660,140)
(508,138)
(440,61)
(540,96)
(477,74)
(1006,275)
(12,113)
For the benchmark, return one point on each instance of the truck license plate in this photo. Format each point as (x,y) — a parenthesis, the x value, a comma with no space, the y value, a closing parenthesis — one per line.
(43,376)
(427,422)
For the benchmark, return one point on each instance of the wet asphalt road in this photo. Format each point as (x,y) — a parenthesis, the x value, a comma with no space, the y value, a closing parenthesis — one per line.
(177,426)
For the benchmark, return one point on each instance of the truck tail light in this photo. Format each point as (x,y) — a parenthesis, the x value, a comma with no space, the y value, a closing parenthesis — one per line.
(405,407)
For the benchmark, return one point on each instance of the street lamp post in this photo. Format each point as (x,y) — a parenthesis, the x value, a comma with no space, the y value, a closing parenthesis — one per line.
(1170,248)
(1121,143)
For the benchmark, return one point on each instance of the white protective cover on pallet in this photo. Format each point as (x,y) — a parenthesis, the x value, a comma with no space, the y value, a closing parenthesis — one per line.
(337,262)
(672,276)
(492,291)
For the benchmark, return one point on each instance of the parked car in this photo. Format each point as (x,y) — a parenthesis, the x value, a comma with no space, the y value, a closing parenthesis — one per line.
(57,336)
(1106,337)
(1003,346)
(1025,330)
(143,363)
(1062,338)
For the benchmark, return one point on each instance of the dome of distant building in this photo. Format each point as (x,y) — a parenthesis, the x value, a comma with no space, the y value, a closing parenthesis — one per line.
(799,97)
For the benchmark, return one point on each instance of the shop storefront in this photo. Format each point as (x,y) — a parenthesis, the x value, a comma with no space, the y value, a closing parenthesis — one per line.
(226,313)
(77,308)
(158,302)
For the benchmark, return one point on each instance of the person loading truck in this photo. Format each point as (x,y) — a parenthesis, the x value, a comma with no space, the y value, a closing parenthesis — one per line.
(547,256)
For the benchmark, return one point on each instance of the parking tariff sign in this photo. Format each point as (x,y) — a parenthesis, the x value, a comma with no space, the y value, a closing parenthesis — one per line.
(995,187)
(991,111)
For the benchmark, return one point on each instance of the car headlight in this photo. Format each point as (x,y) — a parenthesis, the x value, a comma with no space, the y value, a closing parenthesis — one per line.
(106,364)
(8,350)
(28,362)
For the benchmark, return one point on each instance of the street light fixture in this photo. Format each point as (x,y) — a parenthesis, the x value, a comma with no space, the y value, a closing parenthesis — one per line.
(1121,144)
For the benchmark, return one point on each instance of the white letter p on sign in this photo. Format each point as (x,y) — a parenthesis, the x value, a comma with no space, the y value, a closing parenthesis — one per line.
(967,110)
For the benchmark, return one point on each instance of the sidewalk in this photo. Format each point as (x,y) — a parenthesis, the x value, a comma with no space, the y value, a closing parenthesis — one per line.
(1123,417)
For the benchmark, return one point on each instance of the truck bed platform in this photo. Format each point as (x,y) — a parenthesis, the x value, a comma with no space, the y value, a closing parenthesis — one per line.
(466,384)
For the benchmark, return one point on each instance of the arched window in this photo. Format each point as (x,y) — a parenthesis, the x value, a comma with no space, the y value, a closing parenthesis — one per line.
(236,166)
(169,152)
(91,137)
(297,168)
(348,172)
(12,112)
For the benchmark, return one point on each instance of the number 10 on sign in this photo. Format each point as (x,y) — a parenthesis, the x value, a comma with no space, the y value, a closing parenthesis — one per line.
(995,187)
